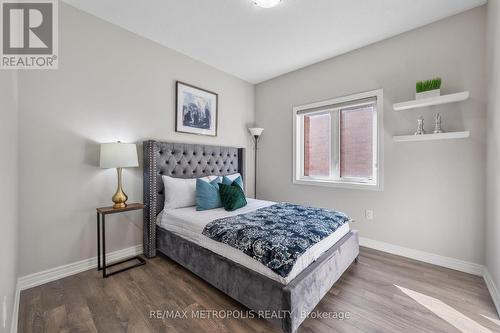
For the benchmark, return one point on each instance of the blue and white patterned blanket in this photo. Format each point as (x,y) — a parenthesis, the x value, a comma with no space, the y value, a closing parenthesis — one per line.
(276,235)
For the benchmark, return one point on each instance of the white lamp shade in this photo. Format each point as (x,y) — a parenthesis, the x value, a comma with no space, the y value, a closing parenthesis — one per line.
(256,131)
(118,155)
(266,3)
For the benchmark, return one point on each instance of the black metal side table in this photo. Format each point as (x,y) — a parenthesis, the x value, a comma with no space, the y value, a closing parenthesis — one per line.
(101,226)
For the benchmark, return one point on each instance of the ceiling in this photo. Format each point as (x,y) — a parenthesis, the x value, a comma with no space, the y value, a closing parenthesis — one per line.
(257,44)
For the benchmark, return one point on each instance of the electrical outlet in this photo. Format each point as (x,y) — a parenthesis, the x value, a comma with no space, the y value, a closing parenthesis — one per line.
(369,214)
(4,312)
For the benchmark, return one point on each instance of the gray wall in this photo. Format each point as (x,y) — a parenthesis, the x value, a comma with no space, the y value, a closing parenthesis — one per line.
(493,155)
(111,85)
(433,198)
(8,191)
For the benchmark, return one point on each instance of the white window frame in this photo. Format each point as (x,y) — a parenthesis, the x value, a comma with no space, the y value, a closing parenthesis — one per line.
(334,105)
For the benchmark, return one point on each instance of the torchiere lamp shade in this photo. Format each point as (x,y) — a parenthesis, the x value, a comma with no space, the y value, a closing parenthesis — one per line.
(255,131)
(119,155)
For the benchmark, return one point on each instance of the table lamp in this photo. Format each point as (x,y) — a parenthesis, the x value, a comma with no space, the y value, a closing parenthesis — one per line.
(119,155)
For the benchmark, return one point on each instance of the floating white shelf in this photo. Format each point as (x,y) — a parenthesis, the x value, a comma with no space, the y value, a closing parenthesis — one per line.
(428,137)
(420,103)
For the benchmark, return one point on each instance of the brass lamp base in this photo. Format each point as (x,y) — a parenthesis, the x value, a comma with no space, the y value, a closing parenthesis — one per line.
(119,198)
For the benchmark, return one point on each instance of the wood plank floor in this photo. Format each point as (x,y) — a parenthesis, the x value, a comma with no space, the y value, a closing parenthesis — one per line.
(367,291)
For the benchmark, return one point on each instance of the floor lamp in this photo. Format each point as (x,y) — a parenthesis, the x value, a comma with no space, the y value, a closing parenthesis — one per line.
(256,133)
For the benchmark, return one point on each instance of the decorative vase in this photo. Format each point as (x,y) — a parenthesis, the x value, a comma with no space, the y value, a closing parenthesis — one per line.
(420,126)
(437,124)
(428,94)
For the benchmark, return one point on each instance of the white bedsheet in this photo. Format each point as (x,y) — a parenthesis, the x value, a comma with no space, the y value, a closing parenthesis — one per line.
(189,224)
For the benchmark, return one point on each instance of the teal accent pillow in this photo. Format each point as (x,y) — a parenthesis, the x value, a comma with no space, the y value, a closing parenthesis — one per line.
(227,181)
(207,194)
(232,196)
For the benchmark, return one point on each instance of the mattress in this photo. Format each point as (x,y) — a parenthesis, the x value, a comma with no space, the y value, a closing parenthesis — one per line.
(189,224)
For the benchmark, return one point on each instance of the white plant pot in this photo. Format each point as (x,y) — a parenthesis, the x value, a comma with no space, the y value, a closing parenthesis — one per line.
(428,94)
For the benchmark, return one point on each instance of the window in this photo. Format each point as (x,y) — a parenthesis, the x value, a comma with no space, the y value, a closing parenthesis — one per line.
(337,143)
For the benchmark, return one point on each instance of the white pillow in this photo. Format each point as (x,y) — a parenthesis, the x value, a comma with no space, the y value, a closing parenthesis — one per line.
(234,176)
(180,192)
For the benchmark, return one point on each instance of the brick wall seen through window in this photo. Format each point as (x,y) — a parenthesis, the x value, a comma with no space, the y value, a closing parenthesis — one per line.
(356,142)
(317,145)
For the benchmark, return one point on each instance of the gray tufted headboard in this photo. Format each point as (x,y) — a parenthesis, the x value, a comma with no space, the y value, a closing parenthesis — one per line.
(180,160)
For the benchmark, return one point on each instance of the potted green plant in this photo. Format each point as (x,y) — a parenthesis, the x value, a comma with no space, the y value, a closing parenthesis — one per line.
(428,88)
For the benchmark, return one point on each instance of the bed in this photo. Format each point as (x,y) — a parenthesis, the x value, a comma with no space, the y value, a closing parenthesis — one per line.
(178,235)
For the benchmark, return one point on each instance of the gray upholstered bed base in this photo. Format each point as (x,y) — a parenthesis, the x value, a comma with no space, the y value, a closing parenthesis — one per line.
(251,289)
(258,292)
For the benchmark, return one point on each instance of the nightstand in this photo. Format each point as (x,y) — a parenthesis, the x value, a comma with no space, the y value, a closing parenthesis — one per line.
(101,227)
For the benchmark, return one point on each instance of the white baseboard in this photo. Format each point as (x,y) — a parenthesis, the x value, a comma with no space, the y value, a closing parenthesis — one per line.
(492,288)
(15,310)
(36,279)
(431,258)
(435,259)
(60,272)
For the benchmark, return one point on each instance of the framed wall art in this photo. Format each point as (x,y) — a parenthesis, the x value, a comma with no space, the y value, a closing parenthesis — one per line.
(196,110)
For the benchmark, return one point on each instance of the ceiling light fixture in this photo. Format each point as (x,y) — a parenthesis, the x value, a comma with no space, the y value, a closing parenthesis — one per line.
(266,3)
